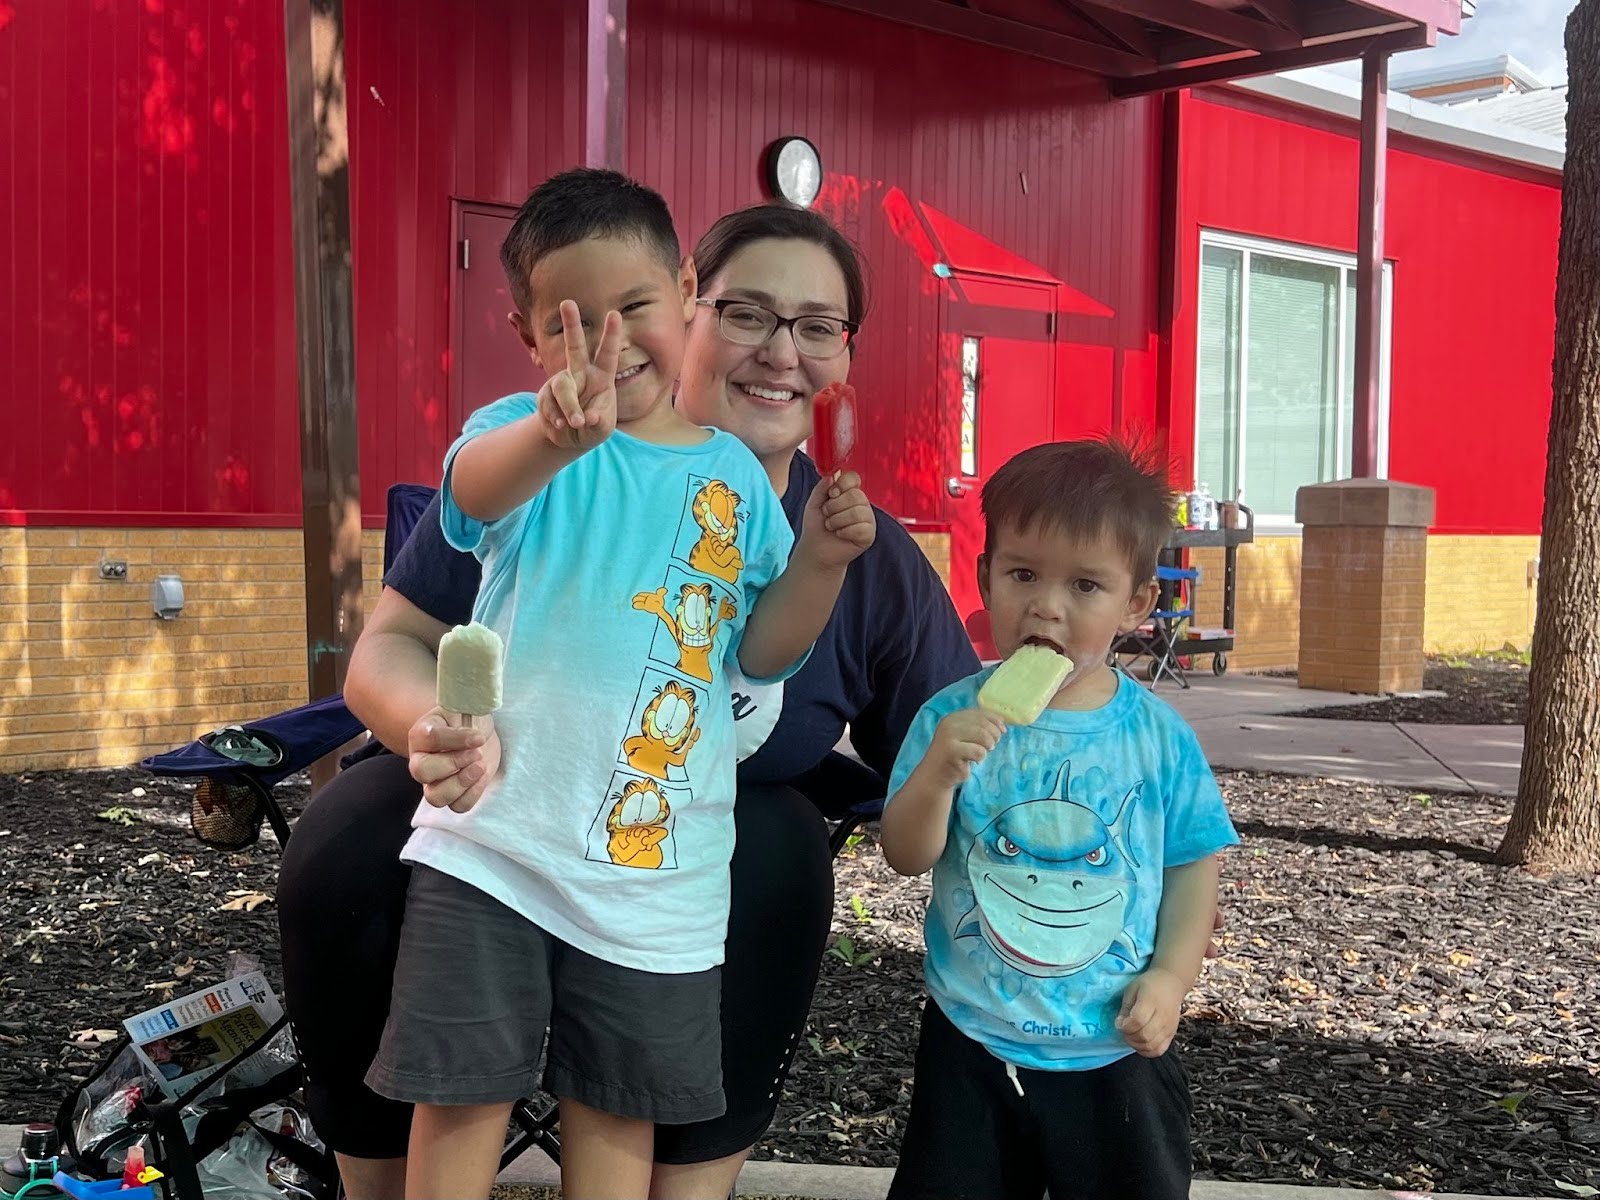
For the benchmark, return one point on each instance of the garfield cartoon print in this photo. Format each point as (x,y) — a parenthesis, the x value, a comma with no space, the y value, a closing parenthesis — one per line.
(634,828)
(668,729)
(692,622)
(717,513)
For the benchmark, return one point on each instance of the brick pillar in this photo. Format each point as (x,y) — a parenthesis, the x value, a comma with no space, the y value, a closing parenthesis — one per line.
(1363,584)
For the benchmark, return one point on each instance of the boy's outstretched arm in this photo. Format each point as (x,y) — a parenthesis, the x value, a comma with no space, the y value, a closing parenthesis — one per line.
(506,467)
(838,526)
(1154,1000)
(916,821)
(497,471)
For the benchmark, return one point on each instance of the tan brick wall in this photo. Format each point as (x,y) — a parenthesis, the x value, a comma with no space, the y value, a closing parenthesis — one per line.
(90,677)
(1363,595)
(1267,607)
(937,547)
(371,567)
(1478,597)
(1479,594)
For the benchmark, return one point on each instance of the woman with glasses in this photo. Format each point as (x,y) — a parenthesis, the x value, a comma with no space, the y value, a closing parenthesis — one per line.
(782,302)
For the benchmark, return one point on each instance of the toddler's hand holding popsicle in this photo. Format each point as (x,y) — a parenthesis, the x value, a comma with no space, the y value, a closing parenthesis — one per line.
(960,741)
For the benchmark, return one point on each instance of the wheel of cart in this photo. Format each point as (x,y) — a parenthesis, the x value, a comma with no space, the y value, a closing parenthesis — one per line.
(1219,664)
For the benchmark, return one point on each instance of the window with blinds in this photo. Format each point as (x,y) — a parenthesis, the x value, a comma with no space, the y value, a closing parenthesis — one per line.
(1275,378)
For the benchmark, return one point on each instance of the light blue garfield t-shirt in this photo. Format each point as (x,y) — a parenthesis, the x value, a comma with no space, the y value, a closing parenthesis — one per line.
(621,593)
(1045,898)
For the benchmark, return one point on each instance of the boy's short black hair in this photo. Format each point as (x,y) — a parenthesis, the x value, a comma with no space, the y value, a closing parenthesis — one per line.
(1109,488)
(576,205)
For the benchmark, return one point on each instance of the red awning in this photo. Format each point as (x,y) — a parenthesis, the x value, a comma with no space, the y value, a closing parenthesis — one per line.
(1140,46)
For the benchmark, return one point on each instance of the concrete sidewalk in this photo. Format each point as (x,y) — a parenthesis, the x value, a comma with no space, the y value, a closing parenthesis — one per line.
(1242,723)
(807,1182)
(533,1175)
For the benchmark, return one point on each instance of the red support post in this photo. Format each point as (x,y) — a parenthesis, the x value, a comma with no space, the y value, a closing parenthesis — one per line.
(1369,259)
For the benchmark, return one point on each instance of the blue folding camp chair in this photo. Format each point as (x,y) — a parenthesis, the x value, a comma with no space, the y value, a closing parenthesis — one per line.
(239,766)
(1158,638)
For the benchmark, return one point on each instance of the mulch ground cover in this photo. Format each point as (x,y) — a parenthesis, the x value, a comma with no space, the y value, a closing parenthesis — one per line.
(1389,1008)
(1485,690)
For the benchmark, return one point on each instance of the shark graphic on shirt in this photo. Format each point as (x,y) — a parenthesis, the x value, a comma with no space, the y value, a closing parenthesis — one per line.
(1054,884)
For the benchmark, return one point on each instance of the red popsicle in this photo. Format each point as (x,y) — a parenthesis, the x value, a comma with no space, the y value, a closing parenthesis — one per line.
(833,426)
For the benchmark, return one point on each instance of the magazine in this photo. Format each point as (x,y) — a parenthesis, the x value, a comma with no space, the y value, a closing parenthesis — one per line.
(182,1042)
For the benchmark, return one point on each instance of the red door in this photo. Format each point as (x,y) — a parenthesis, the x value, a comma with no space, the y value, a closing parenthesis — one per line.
(491,360)
(998,345)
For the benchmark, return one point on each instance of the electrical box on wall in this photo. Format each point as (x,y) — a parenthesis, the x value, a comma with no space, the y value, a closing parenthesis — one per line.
(166,596)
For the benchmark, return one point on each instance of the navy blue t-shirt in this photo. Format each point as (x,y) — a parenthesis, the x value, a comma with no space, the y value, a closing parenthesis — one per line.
(893,641)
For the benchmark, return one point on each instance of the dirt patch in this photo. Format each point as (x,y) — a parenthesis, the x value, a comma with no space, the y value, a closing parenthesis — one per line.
(1390,1008)
(1476,691)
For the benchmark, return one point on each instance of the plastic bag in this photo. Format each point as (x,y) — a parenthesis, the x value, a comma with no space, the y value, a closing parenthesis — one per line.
(238,1171)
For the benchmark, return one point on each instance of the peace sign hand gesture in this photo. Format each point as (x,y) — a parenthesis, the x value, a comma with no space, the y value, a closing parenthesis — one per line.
(578,405)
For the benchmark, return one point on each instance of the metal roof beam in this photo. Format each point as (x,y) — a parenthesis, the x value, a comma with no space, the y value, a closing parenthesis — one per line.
(1281,13)
(1443,15)
(1119,27)
(1062,49)
(1244,66)
(1218,24)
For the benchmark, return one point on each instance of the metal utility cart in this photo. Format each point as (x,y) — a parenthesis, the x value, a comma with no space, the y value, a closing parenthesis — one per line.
(1162,639)
(1229,540)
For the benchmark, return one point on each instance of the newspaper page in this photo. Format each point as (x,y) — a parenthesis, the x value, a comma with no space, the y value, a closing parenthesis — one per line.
(182,1042)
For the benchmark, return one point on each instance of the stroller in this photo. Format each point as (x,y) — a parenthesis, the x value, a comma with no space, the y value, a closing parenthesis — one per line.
(238,768)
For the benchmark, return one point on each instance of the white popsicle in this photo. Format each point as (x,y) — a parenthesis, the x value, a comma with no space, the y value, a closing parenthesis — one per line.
(470,658)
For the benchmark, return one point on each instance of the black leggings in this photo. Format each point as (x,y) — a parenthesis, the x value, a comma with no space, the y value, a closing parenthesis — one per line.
(341,898)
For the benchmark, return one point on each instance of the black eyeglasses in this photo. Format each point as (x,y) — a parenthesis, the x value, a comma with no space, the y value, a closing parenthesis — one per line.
(815,336)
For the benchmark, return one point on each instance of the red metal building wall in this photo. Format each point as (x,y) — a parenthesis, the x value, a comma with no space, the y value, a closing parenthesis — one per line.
(903,119)
(475,101)
(146,300)
(147,318)
(480,103)
(1473,244)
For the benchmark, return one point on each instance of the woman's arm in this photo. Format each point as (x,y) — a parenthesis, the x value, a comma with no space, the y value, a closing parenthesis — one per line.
(391,681)
(915,643)
(837,527)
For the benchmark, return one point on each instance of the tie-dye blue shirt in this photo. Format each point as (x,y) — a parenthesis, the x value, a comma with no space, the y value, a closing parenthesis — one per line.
(1045,898)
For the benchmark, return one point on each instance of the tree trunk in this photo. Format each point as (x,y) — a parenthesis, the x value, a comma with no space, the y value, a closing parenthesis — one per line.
(1556,823)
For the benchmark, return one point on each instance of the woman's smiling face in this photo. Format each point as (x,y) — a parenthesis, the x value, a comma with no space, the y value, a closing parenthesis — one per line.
(762,394)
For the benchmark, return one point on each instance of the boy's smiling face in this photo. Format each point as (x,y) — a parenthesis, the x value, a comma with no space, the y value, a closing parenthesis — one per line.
(625,274)
(1071,592)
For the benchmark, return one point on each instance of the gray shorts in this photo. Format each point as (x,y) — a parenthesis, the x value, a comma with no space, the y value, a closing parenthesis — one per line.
(477,984)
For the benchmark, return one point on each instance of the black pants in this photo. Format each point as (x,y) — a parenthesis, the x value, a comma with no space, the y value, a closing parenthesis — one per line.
(341,898)
(1117,1133)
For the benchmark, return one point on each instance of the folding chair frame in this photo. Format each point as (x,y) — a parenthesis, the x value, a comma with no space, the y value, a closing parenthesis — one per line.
(1161,644)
